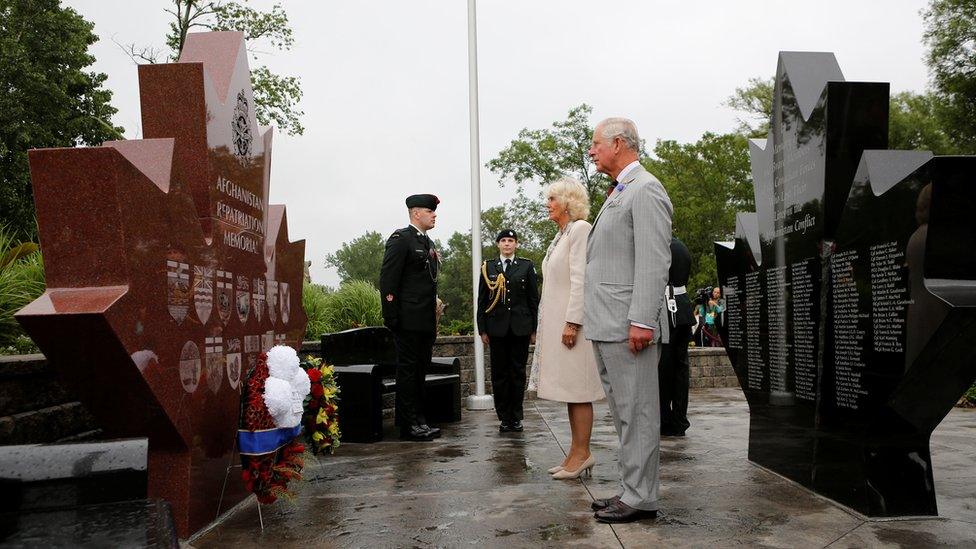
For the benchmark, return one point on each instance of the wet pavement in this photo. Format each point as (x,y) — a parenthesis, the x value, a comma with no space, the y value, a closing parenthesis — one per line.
(476,487)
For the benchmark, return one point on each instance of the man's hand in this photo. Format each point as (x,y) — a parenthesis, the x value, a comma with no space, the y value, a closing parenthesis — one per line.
(640,338)
(484,338)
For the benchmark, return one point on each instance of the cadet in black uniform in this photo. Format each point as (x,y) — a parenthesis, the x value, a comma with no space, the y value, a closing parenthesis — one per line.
(673,369)
(508,312)
(408,290)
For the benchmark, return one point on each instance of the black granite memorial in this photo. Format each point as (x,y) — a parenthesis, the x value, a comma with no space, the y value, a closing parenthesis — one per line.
(850,294)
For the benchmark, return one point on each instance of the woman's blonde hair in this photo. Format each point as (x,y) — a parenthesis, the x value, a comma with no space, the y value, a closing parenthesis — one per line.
(569,192)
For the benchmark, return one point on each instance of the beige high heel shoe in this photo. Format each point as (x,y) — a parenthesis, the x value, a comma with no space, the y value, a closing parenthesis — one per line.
(555,469)
(585,467)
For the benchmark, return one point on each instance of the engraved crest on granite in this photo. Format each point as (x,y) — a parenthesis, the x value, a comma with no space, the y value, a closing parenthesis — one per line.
(243,298)
(203,289)
(178,289)
(190,366)
(225,294)
(215,362)
(242,128)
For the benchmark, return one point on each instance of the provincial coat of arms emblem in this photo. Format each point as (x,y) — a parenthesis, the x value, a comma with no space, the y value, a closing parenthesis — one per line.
(284,301)
(190,366)
(272,297)
(225,294)
(177,289)
(258,296)
(203,289)
(234,362)
(215,362)
(243,298)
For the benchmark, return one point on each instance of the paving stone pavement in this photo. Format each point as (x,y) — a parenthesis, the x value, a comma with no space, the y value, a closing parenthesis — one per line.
(476,487)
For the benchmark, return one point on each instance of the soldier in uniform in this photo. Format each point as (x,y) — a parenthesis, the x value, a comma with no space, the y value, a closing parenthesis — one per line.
(508,312)
(673,369)
(408,290)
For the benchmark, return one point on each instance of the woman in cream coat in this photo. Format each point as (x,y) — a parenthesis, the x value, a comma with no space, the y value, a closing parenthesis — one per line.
(564,367)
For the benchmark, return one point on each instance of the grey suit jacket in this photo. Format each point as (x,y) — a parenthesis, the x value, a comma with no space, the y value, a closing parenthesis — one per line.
(627,260)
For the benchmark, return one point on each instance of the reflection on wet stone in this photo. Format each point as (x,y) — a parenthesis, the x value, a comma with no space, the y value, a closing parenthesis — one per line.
(849,294)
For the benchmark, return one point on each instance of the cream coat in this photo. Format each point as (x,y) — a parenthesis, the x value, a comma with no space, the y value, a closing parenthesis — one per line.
(565,375)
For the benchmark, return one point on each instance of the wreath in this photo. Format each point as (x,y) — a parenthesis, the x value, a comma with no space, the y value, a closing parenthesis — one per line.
(269,437)
(321,411)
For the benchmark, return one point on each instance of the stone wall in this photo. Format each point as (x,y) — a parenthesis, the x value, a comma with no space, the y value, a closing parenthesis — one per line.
(710,367)
(35,408)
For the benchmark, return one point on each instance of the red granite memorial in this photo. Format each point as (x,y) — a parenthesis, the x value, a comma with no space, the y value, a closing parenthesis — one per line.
(168,273)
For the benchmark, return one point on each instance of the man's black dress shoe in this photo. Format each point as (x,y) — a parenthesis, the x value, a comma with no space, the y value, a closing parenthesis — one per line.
(416,433)
(517,426)
(672,433)
(435,432)
(504,427)
(603,503)
(621,512)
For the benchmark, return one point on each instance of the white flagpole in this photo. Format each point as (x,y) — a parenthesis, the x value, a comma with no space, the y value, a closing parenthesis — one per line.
(479,400)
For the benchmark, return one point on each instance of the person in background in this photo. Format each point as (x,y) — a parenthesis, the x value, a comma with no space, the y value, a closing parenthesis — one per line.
(563,366)
(674,368)
(719,306)
(708,312)
(508,310)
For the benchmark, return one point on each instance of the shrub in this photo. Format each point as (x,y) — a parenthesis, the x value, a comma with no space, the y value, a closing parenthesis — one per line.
(21,281)
(315,299)
(355,304)
(970,396)
(457,327)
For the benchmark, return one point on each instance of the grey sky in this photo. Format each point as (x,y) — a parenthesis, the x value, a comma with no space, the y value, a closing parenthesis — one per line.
(386,93)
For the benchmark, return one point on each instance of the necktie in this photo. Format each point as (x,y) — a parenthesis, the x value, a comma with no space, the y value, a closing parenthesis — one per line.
(507,263)
(613,185)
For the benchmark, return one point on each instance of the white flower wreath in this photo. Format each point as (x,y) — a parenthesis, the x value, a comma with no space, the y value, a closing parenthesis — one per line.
(286,387)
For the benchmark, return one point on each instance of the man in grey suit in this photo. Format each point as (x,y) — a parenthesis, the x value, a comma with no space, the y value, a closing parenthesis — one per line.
(627,259)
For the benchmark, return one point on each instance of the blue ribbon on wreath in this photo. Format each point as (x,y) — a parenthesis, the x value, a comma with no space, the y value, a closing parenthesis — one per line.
(255,443)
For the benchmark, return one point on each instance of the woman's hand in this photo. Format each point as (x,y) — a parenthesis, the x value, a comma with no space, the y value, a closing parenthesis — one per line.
(484,338)
(569,334)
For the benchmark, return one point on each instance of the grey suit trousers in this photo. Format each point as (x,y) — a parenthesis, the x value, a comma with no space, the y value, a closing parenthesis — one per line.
(631,384)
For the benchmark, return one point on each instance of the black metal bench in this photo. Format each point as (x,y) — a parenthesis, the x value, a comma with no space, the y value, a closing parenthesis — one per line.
(364,360)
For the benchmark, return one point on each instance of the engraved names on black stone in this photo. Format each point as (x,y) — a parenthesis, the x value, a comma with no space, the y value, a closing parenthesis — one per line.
(776,327)
(804,329)
(754,355)
(848,332)
(733,313)
(888,297)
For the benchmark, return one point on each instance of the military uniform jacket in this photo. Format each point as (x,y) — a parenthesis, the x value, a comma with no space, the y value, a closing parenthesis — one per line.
(408,282)
(678,276)
(520,309)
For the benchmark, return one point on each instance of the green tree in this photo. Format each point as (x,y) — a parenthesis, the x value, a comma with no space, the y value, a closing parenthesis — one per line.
(755,100)
(950,34)
(276,97)
(914,124)
(708,181)
(541,156)
(454,278)
(359,259)
(48,99)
